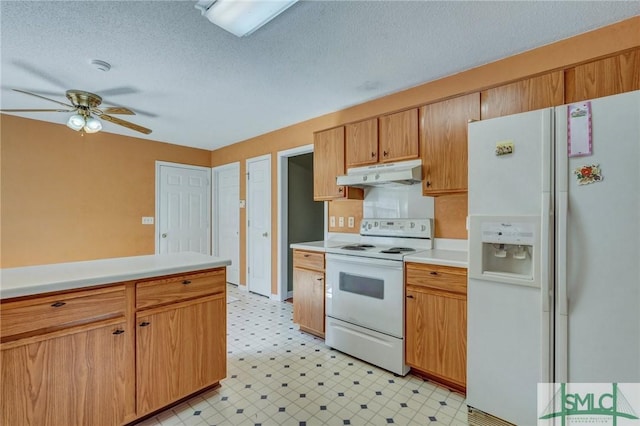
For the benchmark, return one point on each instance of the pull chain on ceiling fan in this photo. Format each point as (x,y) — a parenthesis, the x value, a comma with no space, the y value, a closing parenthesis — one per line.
(85,105)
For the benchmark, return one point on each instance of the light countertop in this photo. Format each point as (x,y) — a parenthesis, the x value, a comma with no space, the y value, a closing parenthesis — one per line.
(29,280)
(320,246)
(457,258)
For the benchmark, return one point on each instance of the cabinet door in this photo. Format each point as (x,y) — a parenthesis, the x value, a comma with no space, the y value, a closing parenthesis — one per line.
(328,163)
(308,300)
(180,349)
(77,378)
(399,136)
(362,143)
(544,91)
(444,143)
(436,334)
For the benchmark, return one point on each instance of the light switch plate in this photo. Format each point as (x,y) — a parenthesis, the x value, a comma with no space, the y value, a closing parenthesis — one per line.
(243,203)
(147,220)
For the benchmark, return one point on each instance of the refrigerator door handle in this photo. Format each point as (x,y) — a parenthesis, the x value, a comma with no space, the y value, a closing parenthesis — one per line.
(562,305)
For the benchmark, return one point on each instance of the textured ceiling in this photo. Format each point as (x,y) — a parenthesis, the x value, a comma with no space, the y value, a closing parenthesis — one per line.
(195,84)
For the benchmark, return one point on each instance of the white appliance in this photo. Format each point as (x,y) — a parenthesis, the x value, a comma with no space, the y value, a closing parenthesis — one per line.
(365,290)
(554,275)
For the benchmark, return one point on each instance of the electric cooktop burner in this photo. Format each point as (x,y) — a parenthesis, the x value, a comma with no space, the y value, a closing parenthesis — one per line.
(358,247)
(397,250)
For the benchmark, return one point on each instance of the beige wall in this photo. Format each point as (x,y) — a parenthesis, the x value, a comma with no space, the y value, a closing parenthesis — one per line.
(67,197)
(560,55)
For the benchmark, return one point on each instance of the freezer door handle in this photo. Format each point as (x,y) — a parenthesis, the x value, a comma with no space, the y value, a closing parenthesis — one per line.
(545,260)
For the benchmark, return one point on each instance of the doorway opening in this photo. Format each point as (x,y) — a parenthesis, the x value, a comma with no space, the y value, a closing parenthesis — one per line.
(300,218)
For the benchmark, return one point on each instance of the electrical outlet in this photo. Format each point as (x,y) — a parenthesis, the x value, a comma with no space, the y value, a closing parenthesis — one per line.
(341,222)
(147,220)
(332,221)
(351,222)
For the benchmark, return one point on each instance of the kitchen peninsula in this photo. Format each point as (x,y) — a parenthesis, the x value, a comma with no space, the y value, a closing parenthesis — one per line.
(111,340)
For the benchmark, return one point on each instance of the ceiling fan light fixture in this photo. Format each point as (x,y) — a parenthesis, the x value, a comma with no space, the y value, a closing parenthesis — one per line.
(93,125)
(242,18)
(76,122)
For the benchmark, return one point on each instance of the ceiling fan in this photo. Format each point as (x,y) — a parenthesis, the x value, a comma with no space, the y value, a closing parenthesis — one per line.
(85,105)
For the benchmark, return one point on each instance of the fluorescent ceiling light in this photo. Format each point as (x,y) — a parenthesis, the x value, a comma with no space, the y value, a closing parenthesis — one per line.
(242,17)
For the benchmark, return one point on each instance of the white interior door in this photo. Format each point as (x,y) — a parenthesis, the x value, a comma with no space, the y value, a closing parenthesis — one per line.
(259,225)
(183,208)
(226,217)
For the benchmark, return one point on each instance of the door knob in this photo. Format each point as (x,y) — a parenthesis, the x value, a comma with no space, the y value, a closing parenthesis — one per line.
(266,234)
(164,235)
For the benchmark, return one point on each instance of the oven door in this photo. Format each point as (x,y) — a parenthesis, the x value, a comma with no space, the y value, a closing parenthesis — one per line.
(366,292)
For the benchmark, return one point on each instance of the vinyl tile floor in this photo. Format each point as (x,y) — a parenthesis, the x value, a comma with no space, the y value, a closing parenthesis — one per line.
(278,375)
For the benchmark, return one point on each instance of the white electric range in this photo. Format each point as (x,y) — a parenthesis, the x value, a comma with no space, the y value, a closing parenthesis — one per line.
(365,290)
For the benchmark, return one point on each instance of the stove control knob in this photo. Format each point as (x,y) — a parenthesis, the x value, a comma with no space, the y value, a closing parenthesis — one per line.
(423,228)
(364,178)
(413,225)
(375,224)
(377,176)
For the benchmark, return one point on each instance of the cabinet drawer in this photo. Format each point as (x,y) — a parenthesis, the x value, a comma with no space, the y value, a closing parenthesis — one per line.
(308,260)
(179,287)
(66,309)
(445,278)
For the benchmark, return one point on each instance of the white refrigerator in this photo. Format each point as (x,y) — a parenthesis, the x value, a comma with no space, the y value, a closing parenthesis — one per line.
(554,253)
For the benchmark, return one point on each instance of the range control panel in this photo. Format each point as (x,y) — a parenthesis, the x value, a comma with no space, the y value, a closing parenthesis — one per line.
(416,228)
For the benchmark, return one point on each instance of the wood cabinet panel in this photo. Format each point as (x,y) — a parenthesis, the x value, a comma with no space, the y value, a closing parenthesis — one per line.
(308,260)
(544,91)
(180,349)
(605,77)
(398,136)
(443,141)
(61,310)
(73,379)
(451,216)
(362,143)
(436,336)
(308,300)
(437,277)
(328,163)
(181,287)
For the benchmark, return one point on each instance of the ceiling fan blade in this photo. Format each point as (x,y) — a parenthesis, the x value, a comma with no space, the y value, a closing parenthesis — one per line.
(37,110)
(42,97)
(124,123)
(117,110)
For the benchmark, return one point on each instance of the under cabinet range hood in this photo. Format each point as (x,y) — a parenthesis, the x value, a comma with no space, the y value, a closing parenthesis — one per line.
(387,174)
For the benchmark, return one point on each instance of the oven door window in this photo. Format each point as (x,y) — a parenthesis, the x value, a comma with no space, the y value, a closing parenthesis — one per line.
(361,285)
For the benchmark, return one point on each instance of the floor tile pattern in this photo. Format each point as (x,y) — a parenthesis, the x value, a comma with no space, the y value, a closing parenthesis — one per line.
(278,375)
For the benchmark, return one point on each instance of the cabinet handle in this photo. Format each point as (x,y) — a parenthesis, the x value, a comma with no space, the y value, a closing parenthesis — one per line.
(185,282)
(118,331)
(427,183)
(385,153)
(144,323)
(373,155)
(340,189)
(307,255)
(433,273)
(318,279)
(410,296)
(58,304)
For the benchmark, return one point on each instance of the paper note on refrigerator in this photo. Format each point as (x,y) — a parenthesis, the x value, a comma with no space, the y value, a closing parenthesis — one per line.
(579,129)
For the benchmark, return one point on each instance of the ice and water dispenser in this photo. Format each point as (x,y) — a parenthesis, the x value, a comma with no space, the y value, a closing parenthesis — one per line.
(505,248)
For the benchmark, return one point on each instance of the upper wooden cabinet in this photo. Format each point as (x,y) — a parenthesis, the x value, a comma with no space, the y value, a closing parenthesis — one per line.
(443,140)
(362,143)
(605,77)
(328,163)
(525,95)
(398,136)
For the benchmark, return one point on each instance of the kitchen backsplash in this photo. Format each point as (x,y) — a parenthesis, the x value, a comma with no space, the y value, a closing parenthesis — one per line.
(405,201)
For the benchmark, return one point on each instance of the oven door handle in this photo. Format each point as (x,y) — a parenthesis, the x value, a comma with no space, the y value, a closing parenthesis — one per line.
(359,260)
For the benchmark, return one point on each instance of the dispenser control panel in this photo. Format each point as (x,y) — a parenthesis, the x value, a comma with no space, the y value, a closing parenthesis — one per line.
(508,233)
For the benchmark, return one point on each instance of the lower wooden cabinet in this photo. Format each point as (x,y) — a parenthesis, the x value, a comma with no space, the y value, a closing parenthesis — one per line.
(308,291)
(88,357)
(73,378)
(180,349)
(436,323)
